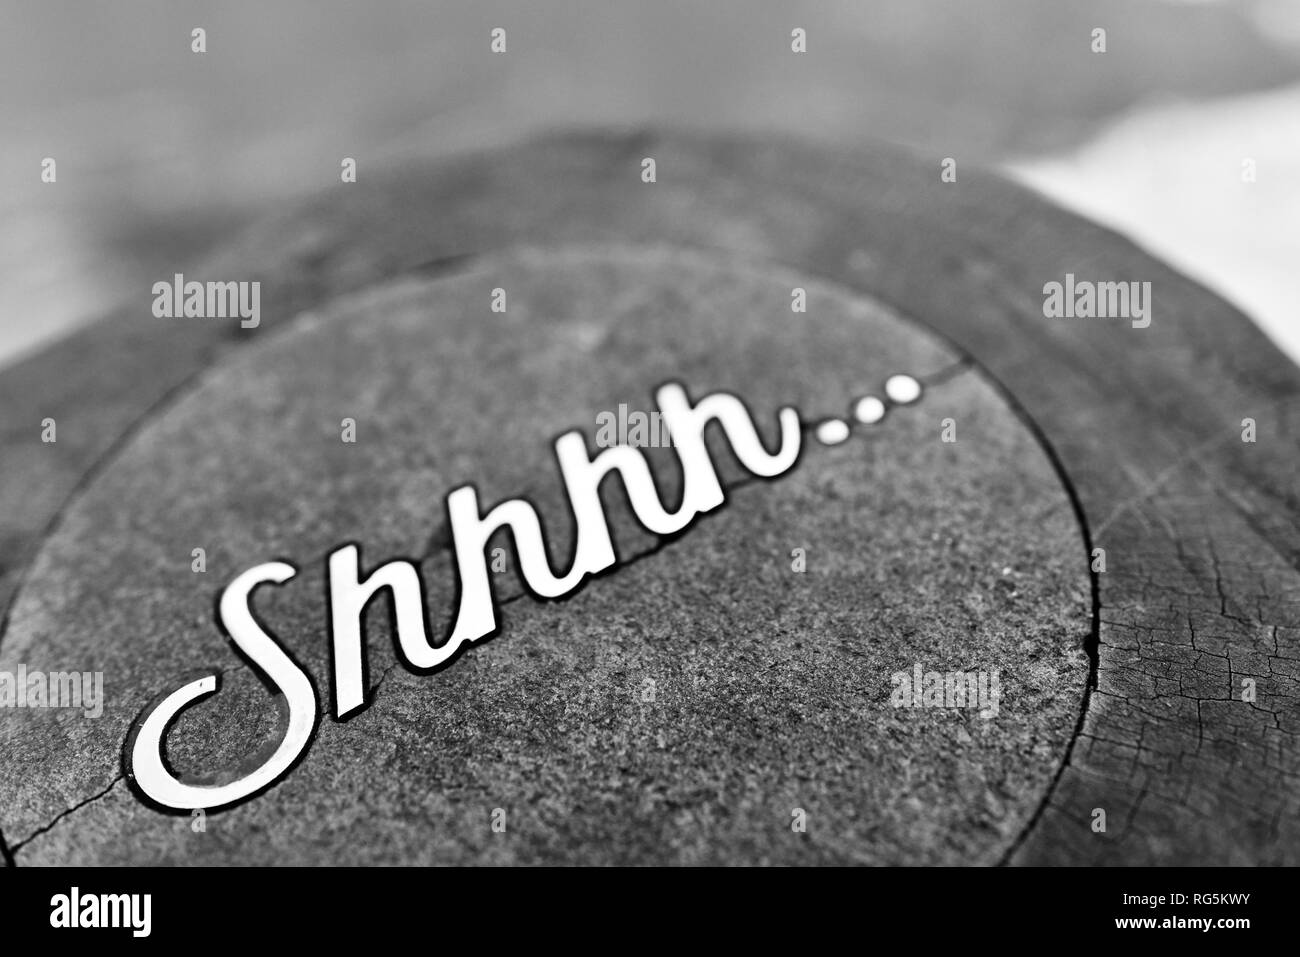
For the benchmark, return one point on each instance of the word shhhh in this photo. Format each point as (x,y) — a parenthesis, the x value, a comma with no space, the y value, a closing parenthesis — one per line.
(476,611)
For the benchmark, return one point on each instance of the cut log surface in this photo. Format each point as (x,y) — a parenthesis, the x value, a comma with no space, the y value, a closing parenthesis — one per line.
(1126,691)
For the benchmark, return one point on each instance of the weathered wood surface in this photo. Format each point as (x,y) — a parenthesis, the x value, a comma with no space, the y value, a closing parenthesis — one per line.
(1143,425)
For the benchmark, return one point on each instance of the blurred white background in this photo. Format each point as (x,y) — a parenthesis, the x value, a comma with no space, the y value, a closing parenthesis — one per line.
(162,153)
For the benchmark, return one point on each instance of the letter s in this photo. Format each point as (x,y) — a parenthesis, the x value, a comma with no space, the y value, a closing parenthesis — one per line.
(144,745)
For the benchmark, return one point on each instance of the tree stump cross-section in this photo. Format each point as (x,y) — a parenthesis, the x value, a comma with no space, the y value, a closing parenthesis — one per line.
(1159,691)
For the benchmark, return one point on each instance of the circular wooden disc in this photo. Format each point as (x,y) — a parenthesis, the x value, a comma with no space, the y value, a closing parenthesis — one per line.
(1102,436)
(765,638)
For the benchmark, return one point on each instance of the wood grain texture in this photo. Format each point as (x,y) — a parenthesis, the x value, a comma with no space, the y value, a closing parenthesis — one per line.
(771,687)
(1200,529)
